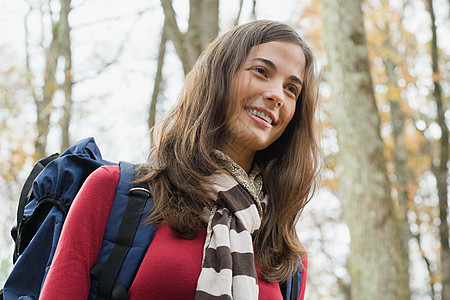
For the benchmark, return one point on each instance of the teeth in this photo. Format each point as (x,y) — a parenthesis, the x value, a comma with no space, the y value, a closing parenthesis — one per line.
(261,115)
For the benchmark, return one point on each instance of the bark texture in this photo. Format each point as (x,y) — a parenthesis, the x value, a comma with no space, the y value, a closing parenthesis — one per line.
(377,264)
(67,85)
(59,47)
(403,173)
(203,28)
(44,105)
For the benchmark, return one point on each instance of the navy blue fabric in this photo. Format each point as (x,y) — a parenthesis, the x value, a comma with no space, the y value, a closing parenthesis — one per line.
(142,240)
(29,272)
(299,281)
(61,179)
(287,287)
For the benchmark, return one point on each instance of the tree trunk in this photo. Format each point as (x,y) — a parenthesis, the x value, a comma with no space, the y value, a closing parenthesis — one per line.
(59,47)
(193,40)
(176,36)
(44,106)
(203,27)
(68,82)
(158,80)
(440,171)
(400,152)
(377,264)
(210,22)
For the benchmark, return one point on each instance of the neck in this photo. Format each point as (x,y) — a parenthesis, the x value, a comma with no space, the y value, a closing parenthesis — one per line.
(242,158)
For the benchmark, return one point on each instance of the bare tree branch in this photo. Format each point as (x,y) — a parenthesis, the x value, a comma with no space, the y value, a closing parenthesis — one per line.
(427,262)
(113,19)
(236,21)
(108,63)
(254,10)
(175,35)
(441,170)
(158,80)
(29,75)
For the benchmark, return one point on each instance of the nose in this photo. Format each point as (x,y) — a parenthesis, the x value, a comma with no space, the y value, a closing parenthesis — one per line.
(274,94)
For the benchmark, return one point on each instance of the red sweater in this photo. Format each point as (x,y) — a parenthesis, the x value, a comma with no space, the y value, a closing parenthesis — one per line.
(169,270)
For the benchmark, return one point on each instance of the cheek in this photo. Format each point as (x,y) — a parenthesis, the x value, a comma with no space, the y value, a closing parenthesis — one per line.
(290,111)
(245,88)
(288,116)
(239,86)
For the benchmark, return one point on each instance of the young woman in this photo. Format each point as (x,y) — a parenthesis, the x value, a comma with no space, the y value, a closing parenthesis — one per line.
(233,165)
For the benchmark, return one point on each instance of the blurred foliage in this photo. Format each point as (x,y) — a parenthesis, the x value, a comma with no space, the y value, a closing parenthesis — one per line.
(402,80)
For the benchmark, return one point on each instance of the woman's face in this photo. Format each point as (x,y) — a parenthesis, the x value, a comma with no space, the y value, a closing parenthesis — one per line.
(265,91)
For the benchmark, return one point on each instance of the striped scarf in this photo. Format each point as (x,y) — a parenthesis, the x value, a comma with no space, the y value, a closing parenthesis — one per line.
(228,267)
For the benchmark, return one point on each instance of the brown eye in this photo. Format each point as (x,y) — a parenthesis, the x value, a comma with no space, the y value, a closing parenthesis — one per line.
(260,70)
(293,90)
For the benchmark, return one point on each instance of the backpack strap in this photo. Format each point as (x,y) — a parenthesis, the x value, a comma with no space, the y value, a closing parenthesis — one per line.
(290,289)
(109,286)
(38,167)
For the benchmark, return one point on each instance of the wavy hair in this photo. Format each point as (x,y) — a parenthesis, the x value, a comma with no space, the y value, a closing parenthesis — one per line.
(181,159)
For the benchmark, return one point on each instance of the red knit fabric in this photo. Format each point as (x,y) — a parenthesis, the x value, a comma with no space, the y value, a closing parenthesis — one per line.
(81,237)
(170,268)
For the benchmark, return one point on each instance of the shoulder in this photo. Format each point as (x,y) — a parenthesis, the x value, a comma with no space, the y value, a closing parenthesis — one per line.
(105,172)
(105,176)
(101,185)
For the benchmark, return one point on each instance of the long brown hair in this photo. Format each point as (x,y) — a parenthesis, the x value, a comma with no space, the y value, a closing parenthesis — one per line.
(181,158)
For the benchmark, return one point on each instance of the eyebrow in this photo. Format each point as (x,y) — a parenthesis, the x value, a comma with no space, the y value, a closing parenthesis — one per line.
(273,66)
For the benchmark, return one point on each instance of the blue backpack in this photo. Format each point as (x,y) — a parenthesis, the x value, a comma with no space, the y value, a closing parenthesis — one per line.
(55,180)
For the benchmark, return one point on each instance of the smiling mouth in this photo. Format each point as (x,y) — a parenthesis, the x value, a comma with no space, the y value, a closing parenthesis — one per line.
(260,114)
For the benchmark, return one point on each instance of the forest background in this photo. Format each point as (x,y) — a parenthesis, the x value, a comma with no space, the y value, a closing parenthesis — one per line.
(378,226)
